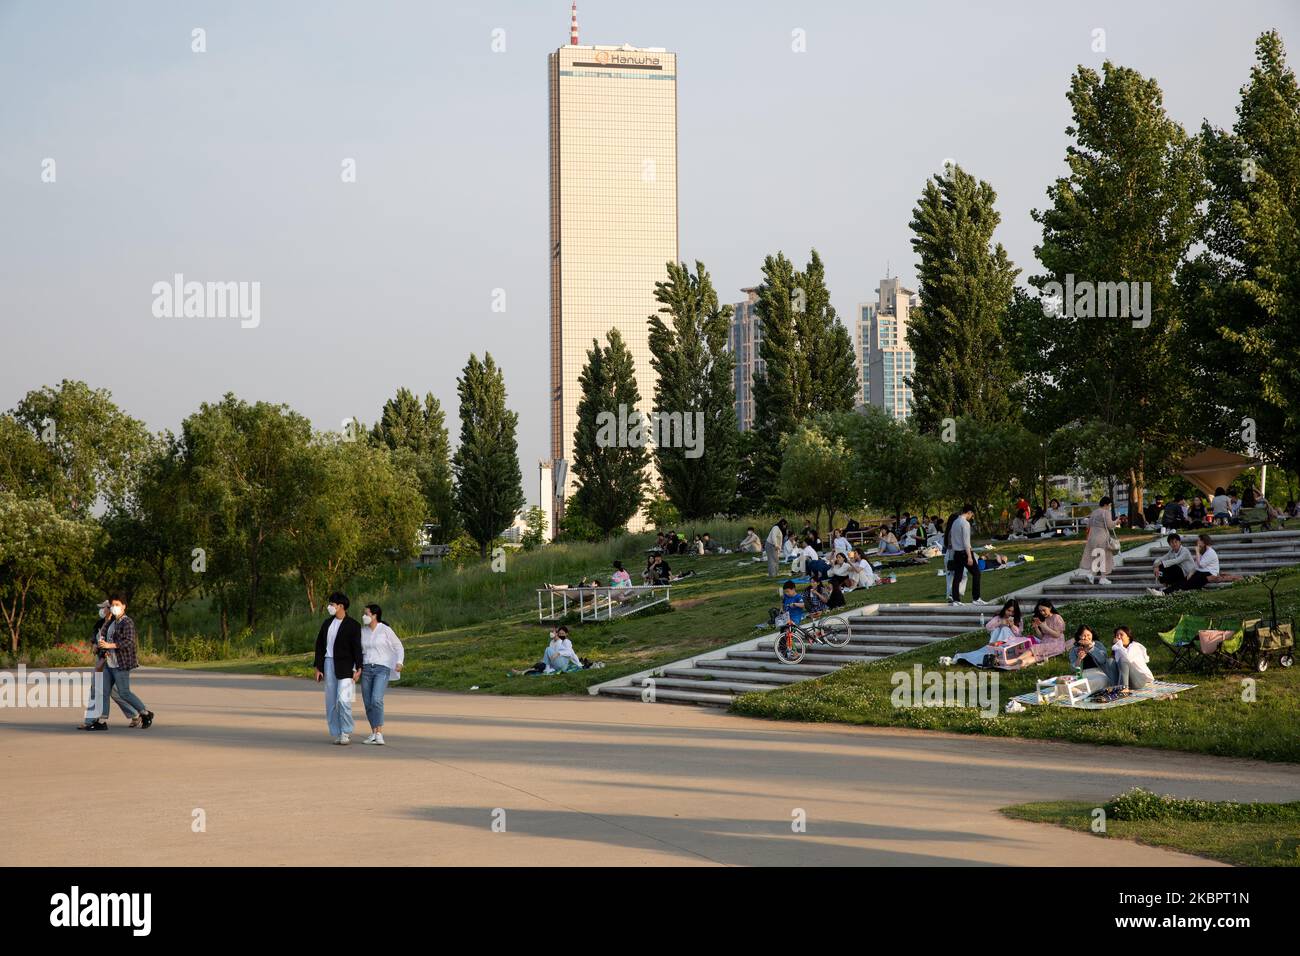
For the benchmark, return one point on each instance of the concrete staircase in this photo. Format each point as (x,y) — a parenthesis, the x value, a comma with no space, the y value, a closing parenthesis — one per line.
(875,632)
(1244,554)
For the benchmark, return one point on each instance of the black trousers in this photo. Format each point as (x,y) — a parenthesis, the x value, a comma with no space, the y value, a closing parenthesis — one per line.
(959,568)
(1174,580)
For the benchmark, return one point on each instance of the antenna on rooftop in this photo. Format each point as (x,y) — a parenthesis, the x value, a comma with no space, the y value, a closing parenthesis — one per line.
(573,25)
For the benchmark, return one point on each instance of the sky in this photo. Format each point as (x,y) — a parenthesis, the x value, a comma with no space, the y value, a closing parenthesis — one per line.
(226,165)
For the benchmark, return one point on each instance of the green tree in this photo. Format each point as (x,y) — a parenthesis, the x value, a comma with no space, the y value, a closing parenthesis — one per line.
(610,471)
(893,463)
(966,285)
(817,475)
(41,552)
(1244,289)
(489,486)
(694,388)
(988,464)
(534,528)
(77,452)
(249,469)
(417,435)
(1125,214)
(807,355)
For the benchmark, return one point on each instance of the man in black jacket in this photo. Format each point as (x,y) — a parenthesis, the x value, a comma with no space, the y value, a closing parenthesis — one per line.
(338,664)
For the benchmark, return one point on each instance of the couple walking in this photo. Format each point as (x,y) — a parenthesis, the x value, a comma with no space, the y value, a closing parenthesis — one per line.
(348,653)
(114,643)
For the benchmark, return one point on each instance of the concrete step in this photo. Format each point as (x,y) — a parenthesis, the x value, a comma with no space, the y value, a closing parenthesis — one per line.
(708,674)
(772,665)
(671,696)
(812,657)
(868,625)
(706,686)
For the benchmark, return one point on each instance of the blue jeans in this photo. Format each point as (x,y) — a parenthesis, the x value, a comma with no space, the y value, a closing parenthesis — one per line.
(337,716)
(117,685)
(374,681)
(1124,674)
(114,692)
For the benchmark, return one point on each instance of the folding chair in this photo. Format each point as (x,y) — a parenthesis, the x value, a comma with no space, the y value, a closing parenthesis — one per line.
(1182,641)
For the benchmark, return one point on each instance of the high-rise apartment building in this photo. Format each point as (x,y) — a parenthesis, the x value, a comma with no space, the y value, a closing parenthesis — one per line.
(613,171)
(885,361)
(743,341)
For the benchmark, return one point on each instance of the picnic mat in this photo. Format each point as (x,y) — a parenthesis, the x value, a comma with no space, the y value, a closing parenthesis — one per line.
(1153,691)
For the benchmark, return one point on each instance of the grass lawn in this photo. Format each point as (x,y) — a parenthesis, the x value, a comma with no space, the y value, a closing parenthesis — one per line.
(1273,839)
(721,606)
(1213,718)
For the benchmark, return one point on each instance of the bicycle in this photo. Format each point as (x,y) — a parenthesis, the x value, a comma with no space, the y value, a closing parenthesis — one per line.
(793,640)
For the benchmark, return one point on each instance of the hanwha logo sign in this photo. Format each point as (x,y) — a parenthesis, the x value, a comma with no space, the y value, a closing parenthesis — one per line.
(602,57)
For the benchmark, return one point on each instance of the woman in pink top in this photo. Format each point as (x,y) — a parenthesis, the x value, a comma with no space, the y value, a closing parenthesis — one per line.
(1006,625)
(1046,624)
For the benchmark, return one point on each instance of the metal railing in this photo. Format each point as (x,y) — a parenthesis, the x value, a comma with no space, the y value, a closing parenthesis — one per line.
(599,604)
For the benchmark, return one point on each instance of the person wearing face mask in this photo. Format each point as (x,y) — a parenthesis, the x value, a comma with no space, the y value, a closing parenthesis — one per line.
(92,707)
(338,663)
(117,641)
(383,654)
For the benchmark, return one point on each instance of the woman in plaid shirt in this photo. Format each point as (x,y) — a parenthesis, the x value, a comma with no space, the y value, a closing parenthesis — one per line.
(117,641)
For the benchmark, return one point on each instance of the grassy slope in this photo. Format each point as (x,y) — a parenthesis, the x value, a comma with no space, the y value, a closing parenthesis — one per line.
(1212,718)
(720,607)
(1273,843)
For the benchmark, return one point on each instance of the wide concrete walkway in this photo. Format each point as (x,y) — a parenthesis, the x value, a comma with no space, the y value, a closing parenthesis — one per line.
(574,780)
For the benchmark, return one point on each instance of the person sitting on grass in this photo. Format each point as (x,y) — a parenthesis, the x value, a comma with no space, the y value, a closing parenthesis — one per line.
(620,578)
(1175,569)
(558,658)
(864,575)
(792,603)
(888,542)
(841,570)
(1046,624)
(1130,666)
(1087,652)
(1005,626)
(1037,524)
(751,544)
(817,597)
(707,542)
(1174,515)
(839,543)
(1197,515)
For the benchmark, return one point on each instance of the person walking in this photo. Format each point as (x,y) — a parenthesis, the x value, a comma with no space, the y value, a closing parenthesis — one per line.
(117,641)
(92,705)
(963,560)
(338,663)
(773,545)
(1099,549)
(383,656)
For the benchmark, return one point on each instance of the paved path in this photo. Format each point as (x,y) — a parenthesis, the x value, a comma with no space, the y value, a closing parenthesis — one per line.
(581,781)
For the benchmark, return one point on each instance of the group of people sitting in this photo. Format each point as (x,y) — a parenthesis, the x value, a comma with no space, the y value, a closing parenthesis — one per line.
(1222,510)
(700,544)
(1127,668)
(1036,522)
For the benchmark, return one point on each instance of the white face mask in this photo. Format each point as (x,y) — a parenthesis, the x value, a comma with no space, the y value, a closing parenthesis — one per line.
(365,619)
(331,610)
(103,612)
(118,610)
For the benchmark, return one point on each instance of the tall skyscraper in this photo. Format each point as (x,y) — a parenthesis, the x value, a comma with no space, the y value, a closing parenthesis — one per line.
(613,166)
(885,361)
(743,340)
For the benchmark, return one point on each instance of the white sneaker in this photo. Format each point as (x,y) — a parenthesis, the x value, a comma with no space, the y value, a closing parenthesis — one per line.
(370,739)
(1155,592)
(1103,580)
(379,739)
(345,739)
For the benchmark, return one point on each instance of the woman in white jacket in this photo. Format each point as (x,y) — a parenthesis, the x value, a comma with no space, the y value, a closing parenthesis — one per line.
(1130,667)
(382,656)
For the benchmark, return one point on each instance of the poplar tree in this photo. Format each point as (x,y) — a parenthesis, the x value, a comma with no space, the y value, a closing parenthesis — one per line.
(489,486)
(609,468)
(417,435)
(688,349)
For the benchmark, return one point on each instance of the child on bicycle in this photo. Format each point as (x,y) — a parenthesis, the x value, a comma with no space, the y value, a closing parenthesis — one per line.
(791,603)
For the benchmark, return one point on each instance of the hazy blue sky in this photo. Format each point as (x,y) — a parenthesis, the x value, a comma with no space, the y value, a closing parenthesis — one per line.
(225,166)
